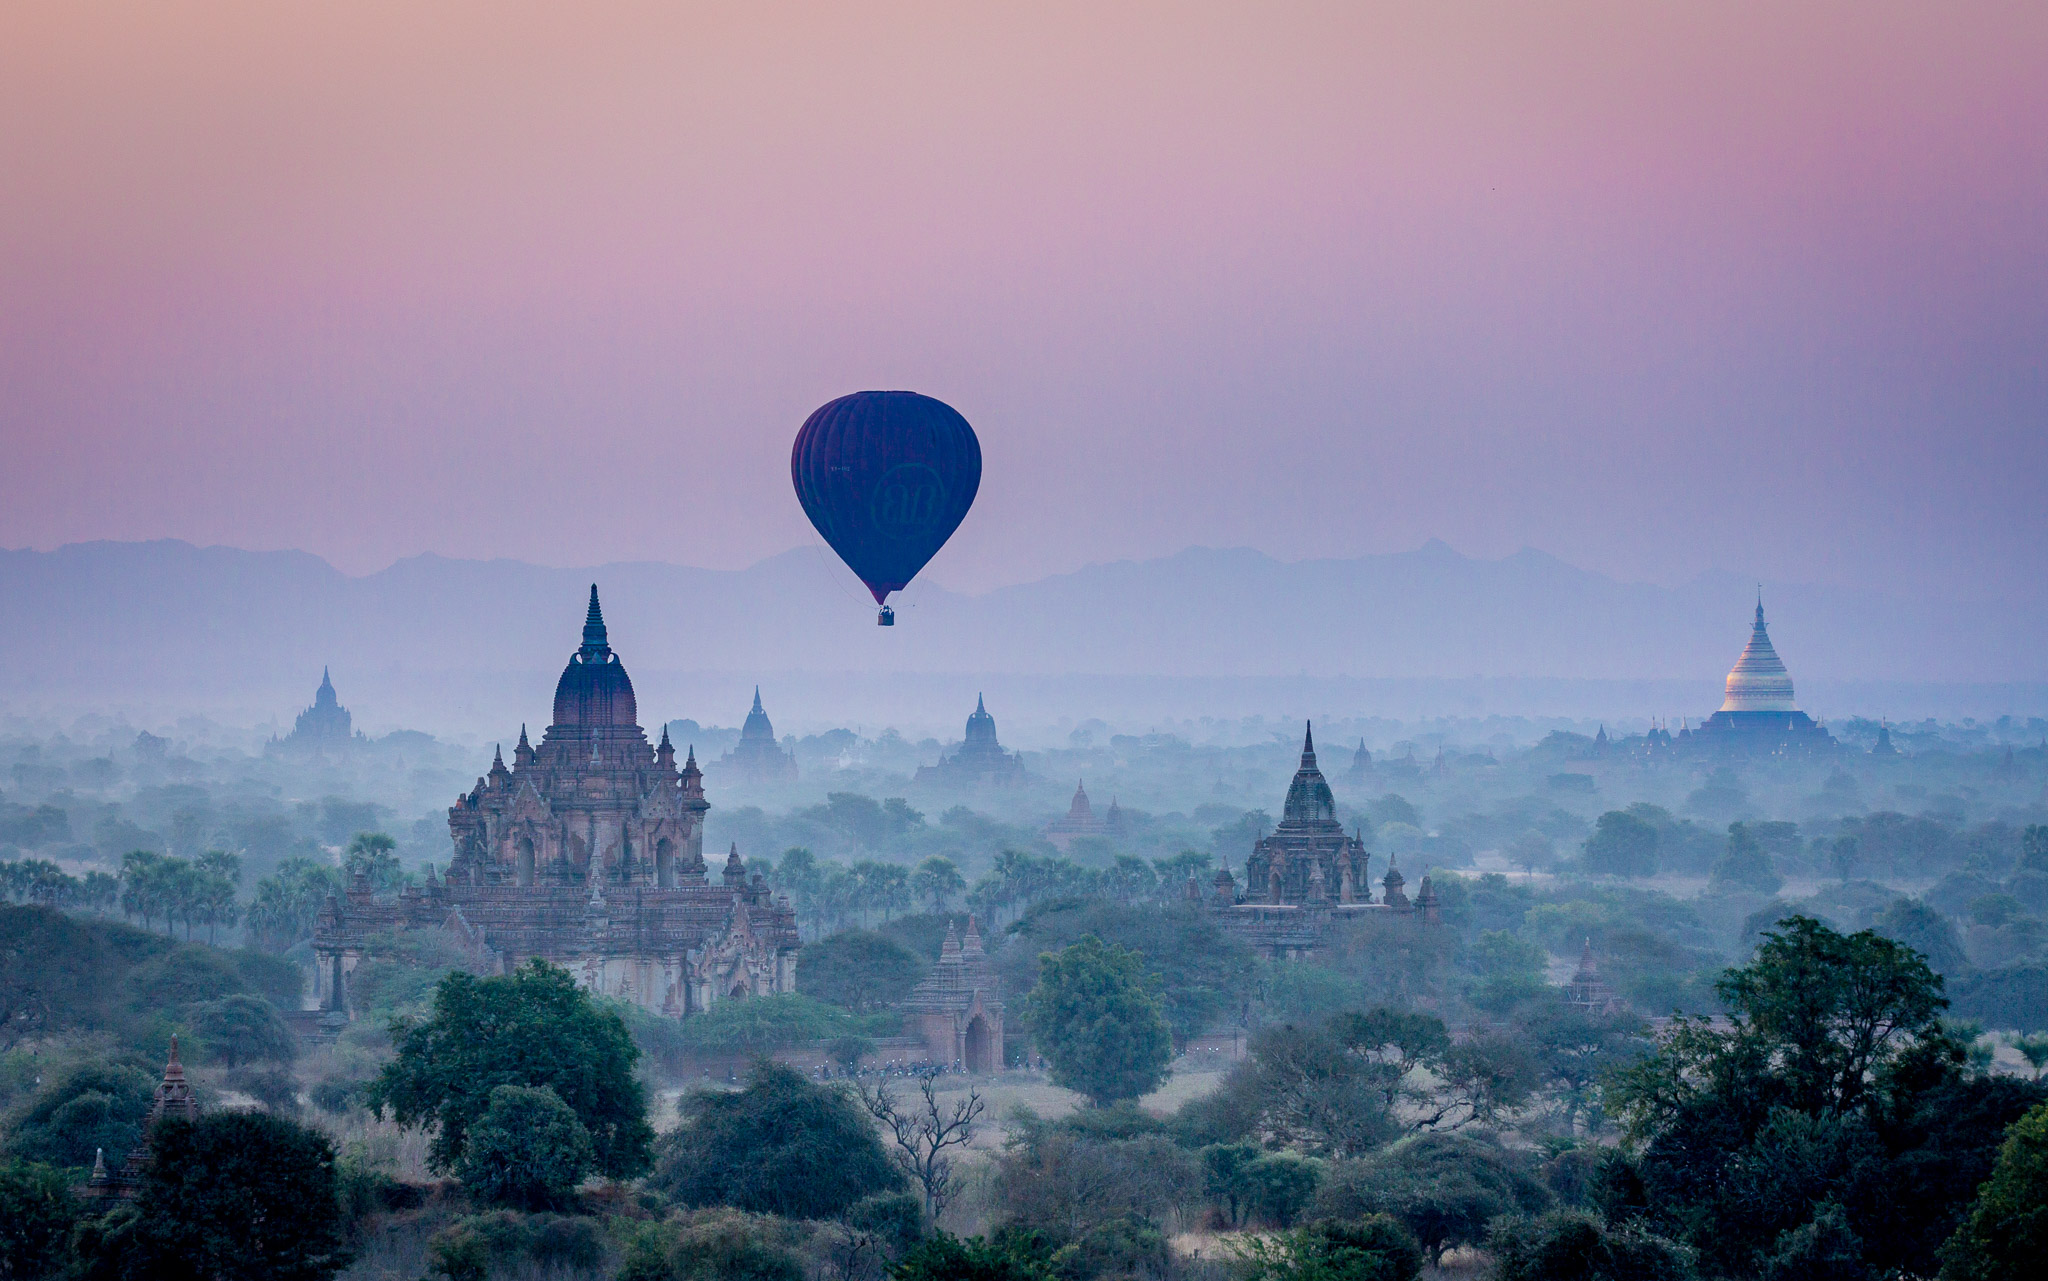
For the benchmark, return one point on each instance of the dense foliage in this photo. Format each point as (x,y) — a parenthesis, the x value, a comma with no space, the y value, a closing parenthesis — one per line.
(527,1150)
(532,1028)
(234,1196)
(1834,1084)
(1095,1019)
(781,1145)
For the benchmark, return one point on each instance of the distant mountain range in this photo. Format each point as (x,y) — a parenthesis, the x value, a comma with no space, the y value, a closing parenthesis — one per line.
(166,625)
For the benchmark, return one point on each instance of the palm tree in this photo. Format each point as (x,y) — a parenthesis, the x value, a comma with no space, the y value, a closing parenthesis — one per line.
(937,879)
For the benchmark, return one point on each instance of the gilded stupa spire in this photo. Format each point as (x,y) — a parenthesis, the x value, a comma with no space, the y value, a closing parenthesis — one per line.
(1759,681)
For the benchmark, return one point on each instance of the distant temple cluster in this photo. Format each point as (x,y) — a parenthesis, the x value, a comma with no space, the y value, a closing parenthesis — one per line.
(1308,876)
(1080,820)
(587,852)
(979,759)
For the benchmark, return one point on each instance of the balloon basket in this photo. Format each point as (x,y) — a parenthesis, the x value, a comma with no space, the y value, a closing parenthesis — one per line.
(887,618)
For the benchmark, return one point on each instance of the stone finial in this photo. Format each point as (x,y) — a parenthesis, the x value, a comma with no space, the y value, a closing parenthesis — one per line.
(970,946)
(950,949)
(735,871)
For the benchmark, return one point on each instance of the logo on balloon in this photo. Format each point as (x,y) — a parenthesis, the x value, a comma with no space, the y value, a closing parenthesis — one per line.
(906,500)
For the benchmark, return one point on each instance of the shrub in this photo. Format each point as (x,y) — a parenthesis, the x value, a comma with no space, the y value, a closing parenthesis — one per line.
(527,1151)
(1568,1245)
(782,1145)
(90,1107)
(471,1248)
(1374,1248)
(242,1029)
(37,1211)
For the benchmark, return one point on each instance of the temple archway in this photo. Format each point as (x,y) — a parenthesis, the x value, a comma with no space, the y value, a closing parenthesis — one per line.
(525,860)
(981,1046)
(665,862)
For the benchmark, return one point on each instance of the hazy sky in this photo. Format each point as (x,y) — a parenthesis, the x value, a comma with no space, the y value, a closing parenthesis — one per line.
(1654,287)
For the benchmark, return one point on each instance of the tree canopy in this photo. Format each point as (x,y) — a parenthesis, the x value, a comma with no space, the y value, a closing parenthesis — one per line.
(1834,1084)
(533,1027)
(1097,1022)
(781,1145)
(231,1196)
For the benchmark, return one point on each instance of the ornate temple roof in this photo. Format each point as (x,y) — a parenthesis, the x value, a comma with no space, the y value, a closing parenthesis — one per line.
(594,690)
(1759,681)
(1308,797)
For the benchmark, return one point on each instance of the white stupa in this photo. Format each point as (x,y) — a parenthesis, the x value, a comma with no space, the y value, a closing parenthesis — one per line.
(1759,682)
(1758,717)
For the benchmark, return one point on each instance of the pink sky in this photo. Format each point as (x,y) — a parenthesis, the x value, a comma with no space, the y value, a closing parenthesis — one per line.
(1654,287)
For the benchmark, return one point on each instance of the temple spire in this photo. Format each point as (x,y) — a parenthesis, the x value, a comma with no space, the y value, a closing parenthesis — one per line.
(979,707)
(757,698)
(1308,744)
(594,640)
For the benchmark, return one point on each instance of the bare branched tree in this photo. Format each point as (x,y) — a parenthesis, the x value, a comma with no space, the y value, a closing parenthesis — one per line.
(925,1130)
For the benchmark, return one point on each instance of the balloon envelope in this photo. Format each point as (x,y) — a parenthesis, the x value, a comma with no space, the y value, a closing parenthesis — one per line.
(886,476)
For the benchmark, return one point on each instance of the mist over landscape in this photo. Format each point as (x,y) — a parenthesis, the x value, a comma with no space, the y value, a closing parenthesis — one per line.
(468,647)
(1112,642)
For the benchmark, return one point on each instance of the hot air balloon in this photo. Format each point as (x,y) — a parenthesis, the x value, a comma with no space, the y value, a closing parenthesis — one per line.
(886,476)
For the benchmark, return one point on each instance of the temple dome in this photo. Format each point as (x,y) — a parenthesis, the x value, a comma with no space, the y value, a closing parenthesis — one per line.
(594,689)
(757,727)
(981,727)
(1759,681)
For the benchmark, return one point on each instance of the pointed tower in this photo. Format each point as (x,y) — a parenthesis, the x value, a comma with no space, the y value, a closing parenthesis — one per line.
(757,758)
(1759,682)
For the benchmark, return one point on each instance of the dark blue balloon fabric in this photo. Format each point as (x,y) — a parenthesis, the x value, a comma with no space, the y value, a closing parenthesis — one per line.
(886,476)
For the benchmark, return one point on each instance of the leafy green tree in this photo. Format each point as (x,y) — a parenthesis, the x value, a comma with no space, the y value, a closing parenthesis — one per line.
(2006,1236)
(1834,1082)
(242,1029)
(231,1195)
(95,1106)
(1200,974)
(937,881)
(1097,1022)
(38,1209)
(1821,1249)
(858,971)
(1277,1187)
(1445,1188)
(941,1257)
(1622,844)
(1375,1248)
(1222,1166)
(374,855)
(1744,865)
(1927,932)
(782,1145)
(2034,848)
(1574,1051)
(1569,1245)
(533,1027)
(527,1151)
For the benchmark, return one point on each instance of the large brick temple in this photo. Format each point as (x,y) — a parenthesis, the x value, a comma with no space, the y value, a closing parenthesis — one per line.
(588,852)
(1308,876)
